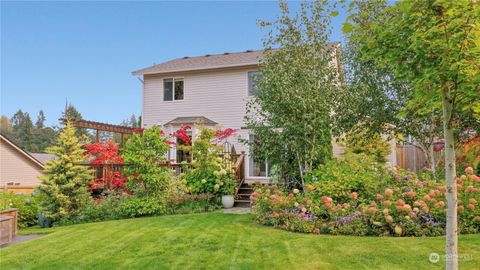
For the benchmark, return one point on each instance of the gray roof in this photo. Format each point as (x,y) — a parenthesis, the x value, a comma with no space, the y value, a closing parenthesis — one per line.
(43,157)
(208,61)
(191,120)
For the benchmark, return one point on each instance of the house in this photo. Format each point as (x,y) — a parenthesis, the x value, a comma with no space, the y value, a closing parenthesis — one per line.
(19,170)
(210,88)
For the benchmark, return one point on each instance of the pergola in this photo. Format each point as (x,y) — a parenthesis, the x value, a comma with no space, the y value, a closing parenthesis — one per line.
(97,126)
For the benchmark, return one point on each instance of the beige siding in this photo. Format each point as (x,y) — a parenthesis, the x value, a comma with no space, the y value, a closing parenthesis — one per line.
(217,95)
(16,167)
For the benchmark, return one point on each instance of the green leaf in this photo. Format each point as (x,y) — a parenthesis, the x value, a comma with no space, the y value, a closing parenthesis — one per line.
(347,28)
(334,14)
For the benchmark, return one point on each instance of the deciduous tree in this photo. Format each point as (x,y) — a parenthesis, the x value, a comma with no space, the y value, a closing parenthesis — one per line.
(433,46)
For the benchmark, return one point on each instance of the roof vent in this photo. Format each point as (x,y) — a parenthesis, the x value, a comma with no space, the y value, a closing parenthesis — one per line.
(186,57)
(207,55)
(249,51)
(227,53)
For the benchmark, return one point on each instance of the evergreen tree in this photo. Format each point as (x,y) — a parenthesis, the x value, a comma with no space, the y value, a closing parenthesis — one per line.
(133,121)
(64,186)
(18,119)
(23,130)
(71,113)
(40,120)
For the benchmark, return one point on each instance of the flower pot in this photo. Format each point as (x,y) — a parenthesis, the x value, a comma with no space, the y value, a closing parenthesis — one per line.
(228,201)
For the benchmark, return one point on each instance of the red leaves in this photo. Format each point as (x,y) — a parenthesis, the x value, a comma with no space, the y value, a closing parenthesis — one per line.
(182,135)
(103,153)
(222,134)
(106,154)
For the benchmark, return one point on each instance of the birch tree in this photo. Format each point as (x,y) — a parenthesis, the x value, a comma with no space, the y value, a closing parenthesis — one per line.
(434,46)
(291,115)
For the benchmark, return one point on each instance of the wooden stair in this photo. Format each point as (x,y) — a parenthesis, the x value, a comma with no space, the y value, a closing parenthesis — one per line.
(242,198)
(243,190)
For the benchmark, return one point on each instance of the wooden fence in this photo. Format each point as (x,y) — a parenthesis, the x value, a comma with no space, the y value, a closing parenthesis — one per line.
(410,157)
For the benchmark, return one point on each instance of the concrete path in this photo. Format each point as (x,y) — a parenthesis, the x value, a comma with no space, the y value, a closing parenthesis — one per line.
(21,238)
(237,210)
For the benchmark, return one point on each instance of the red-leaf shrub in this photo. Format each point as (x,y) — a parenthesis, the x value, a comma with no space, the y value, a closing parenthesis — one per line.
(182,135)
(105,154)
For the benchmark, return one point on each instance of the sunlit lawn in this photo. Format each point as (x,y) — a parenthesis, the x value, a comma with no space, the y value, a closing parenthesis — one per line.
(220,241)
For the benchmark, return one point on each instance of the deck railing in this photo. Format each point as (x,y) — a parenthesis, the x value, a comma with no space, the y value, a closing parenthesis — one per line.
(99,170)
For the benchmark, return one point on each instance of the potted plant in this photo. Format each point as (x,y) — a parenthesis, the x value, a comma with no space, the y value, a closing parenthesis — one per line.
(227,186)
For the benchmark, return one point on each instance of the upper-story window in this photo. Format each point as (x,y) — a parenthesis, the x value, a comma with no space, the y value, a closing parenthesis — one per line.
(253,77)
(172,89)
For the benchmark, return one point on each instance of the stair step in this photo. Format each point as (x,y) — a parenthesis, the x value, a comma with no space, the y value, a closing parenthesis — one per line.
(242,204)
(244,194)
(245,201)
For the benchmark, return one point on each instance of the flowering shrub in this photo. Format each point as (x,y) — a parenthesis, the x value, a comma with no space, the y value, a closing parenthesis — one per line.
(106,154)
(407,206)
(211,173)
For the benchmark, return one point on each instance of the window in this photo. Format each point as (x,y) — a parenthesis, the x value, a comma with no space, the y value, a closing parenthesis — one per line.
(253,77)
(257,169)
(172,89)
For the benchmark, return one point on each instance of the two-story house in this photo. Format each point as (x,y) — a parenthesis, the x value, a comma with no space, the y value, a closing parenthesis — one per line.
(213,88)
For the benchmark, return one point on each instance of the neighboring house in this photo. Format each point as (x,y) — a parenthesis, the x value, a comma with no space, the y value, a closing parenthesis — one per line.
(210,88)
(19,170)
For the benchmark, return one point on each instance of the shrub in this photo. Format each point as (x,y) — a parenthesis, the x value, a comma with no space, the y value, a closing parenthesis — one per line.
(193,203)
(64,186)
(106,154)
(144,153)
(338,179)
(210,173)
(371,145)
(26,204)
(407,206)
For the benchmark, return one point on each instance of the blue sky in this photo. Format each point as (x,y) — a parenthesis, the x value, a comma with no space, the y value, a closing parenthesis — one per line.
(85,51)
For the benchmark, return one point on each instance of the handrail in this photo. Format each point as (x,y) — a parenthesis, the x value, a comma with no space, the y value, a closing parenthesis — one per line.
(239,172)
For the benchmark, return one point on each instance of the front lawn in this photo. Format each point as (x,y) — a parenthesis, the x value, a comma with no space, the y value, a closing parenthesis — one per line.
(220,241)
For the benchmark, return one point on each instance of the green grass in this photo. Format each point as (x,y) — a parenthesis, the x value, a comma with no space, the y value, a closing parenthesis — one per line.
(219,241)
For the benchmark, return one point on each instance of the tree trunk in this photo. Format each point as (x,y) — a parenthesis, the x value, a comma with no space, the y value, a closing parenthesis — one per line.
(451,247)
(433,164)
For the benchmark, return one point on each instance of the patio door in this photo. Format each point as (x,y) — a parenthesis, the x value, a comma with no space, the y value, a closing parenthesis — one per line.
(257,169)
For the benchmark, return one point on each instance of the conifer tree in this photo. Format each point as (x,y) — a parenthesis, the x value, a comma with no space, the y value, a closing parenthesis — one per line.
(64,186)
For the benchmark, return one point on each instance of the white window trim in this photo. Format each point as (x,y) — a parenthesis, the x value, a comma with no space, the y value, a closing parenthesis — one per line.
(248,84)
(173,89)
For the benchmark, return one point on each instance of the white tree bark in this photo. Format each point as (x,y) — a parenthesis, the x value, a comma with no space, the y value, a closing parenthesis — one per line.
(451,247)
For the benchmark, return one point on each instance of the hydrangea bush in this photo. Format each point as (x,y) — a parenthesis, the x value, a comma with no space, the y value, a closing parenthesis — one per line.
(406,205)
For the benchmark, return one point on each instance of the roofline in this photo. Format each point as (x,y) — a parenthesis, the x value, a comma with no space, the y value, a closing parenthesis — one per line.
(25,153)
(142,72)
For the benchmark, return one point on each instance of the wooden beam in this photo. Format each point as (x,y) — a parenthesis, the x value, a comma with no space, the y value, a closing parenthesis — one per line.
(101,126)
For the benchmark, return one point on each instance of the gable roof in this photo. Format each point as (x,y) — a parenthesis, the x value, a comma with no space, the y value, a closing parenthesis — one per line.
(237,59)
(21,151)
(191,120)
(43,157)
(210,61)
